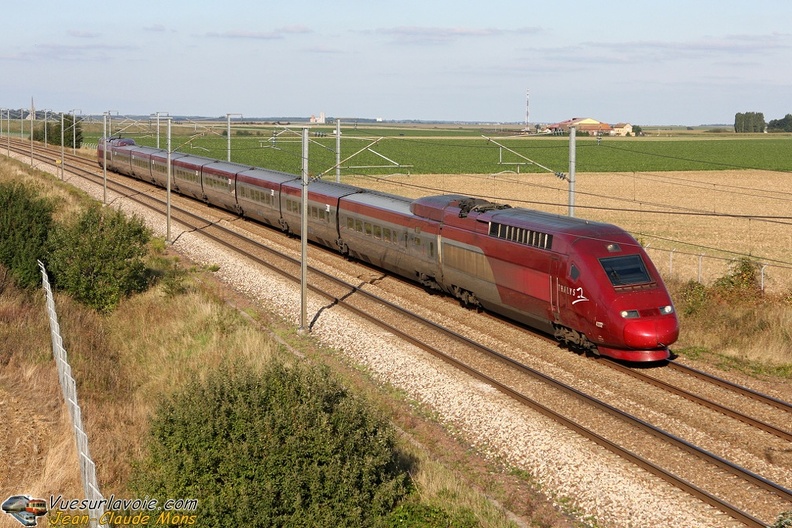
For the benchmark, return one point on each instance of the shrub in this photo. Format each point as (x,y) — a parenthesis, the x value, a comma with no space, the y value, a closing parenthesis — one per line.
(693,297)
(98,259)
(288,446)
(741,282)
(25,221)
(784,520)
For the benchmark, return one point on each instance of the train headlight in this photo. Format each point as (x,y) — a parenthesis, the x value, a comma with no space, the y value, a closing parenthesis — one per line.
(630,314)
(665,310)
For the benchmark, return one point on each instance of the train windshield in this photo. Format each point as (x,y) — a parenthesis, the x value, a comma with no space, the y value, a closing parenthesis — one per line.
(626,270)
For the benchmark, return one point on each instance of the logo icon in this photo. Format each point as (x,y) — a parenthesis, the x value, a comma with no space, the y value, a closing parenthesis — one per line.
(25,509)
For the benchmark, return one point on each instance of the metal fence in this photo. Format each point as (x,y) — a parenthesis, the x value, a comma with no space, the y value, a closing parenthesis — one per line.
(703,268)
(69,388)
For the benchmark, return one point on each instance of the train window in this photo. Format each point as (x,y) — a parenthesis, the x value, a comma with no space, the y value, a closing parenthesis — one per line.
(386,234)
(350,222)
(367,228)
(377,232)
(626,270)
(574,273)
(359,226)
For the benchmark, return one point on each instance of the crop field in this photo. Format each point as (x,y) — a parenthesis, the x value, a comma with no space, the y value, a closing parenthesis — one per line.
(464,150)
(698,202)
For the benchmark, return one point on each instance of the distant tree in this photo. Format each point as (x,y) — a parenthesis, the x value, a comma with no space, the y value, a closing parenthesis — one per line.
(637,130)
(780,125)
(70,130)
(749,122)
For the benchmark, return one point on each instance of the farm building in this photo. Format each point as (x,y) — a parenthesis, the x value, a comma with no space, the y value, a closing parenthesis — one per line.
(592,126)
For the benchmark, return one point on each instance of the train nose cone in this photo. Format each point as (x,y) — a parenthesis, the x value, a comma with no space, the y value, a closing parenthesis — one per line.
(651,333)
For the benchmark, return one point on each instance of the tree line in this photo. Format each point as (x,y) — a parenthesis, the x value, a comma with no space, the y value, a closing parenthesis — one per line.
(745,122)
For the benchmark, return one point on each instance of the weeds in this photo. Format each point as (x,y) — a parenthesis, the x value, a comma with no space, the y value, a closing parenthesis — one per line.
(736,320)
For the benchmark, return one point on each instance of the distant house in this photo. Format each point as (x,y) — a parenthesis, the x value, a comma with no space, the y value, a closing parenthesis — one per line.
(622,129)
(592,126)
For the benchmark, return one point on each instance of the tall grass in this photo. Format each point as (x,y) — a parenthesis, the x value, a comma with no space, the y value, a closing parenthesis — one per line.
(734,324)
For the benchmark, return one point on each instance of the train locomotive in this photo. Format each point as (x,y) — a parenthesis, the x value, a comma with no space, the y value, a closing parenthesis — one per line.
(589,284)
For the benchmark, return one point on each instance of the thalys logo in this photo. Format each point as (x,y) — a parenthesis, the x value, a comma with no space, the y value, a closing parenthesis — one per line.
(576,293)
(25,509)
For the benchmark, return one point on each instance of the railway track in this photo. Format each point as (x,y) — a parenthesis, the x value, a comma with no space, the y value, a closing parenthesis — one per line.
(759,498)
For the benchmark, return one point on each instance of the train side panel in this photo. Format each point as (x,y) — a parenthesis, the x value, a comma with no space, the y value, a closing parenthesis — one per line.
(186,174)
(379,228)
(258,195)
(218,180)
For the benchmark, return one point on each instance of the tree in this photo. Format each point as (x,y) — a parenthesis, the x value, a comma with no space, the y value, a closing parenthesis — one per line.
(749,122)
(25,222)
(780,125)
(98,258)
(70,130)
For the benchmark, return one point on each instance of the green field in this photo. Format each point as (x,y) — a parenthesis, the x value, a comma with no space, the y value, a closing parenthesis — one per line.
(464,150)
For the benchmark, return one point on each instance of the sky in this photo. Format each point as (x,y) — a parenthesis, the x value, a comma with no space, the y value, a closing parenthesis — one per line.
(668,62)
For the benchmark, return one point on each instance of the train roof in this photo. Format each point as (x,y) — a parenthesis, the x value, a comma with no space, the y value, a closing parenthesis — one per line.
(256,176)
(381,200)
(148,151)
(189,159)
(225,166)
(434,207)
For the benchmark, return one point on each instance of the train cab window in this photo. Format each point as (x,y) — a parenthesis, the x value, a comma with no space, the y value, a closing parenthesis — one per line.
(574,272)
(626,271)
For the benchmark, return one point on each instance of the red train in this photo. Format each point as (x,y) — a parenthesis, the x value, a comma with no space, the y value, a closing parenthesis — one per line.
(589,284)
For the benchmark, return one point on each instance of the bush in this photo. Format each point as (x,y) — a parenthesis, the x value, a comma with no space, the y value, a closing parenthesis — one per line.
(25,221)
(742,282)
(784,520)
(693,297)
(287,447)
(99,258)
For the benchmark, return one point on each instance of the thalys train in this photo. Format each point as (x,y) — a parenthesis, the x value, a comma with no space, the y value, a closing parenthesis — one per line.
(589,284)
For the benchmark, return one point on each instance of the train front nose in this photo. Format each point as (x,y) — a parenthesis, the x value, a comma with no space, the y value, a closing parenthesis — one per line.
(651,332)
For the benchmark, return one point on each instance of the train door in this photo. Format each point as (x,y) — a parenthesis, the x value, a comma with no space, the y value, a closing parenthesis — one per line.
(556,269)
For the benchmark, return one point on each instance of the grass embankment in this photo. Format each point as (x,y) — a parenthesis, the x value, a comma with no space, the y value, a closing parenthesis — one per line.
(733,325)
(157,343)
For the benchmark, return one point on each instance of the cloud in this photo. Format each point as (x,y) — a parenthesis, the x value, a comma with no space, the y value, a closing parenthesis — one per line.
(417,34)
(259,35)
(83,34)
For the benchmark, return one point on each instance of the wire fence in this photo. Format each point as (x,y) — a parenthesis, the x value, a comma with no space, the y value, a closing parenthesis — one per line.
(69,388)
(703,268)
